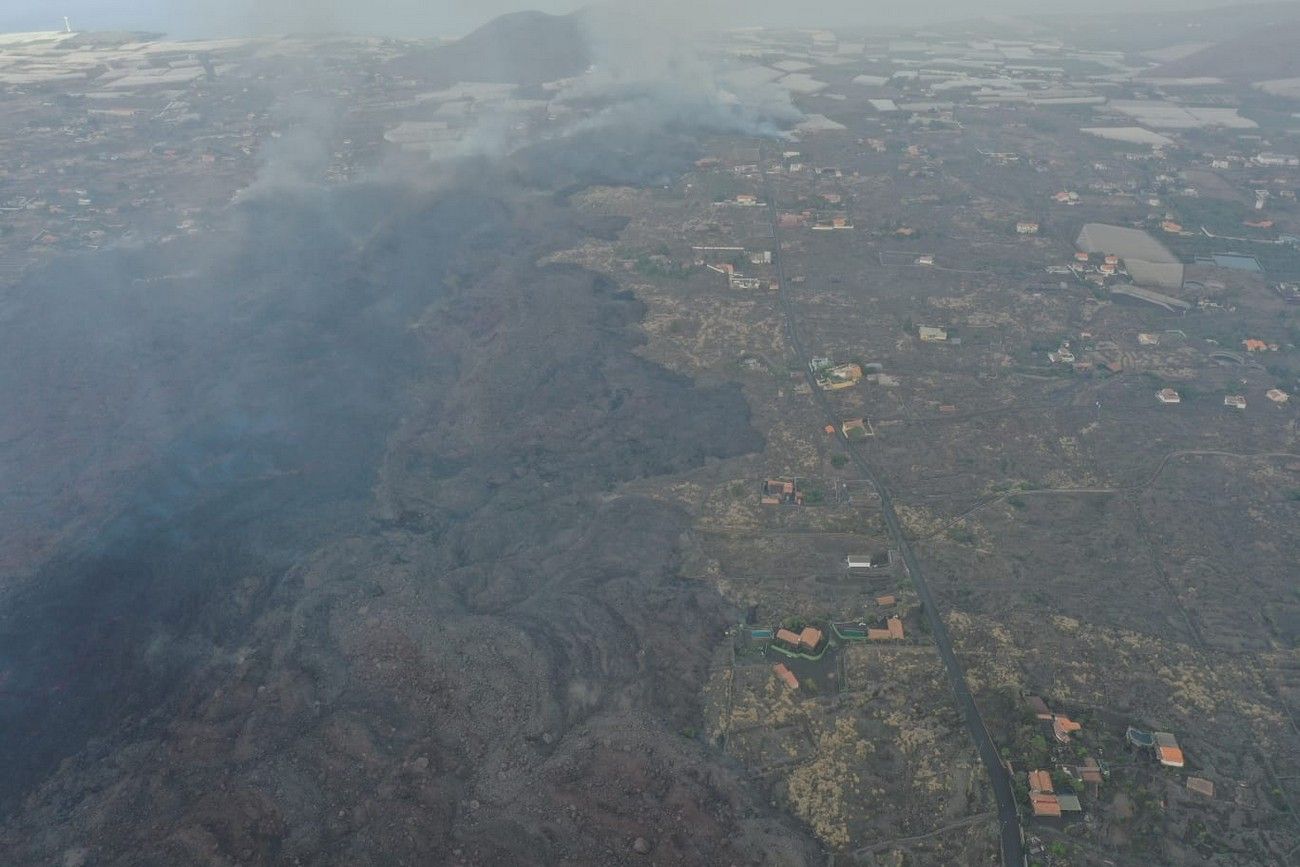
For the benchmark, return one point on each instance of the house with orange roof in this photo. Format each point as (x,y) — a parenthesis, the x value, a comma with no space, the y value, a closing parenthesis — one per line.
(886,601)
(1254,345)
(893,631)
(1063,726)
(1042,798)
(788,637)
(895,628)
(1045,804)
(810,638)
(786,675)
(1168,751)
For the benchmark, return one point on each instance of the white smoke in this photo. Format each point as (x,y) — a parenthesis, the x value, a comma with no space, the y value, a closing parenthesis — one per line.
(646,75)
(656,72)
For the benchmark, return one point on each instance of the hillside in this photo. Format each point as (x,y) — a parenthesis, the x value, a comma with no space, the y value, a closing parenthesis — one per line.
(1260,55)
(520,48)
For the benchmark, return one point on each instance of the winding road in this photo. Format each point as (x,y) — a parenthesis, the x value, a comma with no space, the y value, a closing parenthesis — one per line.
(1012,844)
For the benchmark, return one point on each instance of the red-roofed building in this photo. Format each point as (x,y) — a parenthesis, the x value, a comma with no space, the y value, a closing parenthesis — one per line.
(786,675)
(1168,751)
(1045,805)
(810,638)
(1062,726)
(788,637)
(895,628)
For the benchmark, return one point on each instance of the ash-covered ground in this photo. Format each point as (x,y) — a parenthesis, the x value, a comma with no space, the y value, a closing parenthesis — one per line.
(359,587)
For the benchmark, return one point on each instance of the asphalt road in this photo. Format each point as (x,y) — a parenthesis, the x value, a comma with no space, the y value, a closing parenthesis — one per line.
(1008,817)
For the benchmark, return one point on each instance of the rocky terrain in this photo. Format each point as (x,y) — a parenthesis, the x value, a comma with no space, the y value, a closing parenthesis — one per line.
(369,590)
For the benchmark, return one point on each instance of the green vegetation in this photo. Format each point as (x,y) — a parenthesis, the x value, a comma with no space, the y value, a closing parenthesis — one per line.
(961,536)
(648,265)
(718,187)
(838,461)
(1217,215)
(1047,344)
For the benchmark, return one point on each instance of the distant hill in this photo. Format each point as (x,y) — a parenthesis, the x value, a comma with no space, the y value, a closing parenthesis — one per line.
(1137,32)
(520,48)
(1267,53)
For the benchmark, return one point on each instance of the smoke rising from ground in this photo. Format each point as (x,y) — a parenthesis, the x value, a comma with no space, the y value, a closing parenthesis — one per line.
(380,566)
(652,73)
(602,70)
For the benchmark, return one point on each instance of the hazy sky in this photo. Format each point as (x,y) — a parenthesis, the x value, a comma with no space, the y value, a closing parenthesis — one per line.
(455,17)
